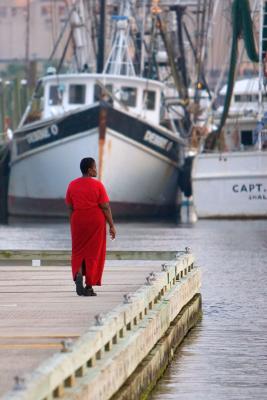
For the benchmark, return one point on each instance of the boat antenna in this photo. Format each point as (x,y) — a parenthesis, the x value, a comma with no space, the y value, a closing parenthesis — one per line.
(119,61)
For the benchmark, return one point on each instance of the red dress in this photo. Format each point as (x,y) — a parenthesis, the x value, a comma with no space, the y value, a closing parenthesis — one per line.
(88,227)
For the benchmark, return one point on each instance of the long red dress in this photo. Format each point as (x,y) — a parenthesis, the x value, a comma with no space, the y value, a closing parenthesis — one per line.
(88,227)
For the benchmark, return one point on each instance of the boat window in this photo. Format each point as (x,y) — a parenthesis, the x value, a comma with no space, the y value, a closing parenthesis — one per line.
(247,138)
(77,94)
(55,95)
(246,98)
(98,92)
(149,99)
(128,96)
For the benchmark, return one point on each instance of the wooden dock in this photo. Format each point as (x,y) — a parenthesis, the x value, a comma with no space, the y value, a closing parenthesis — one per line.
(54,343)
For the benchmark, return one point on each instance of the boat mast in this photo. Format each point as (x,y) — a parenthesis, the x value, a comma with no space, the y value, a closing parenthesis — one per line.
(78,28)
(119,61)
(101,38)
(261,88)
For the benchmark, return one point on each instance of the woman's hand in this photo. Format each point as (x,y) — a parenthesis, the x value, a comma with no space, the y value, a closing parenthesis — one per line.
(112,232)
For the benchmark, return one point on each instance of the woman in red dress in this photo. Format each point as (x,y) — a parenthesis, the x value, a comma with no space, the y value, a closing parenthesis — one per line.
(89,208)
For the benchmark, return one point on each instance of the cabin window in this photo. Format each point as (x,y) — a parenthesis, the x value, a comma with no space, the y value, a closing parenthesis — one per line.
(99,92)
(77,94)
(55,95)
(128,96)
(246,98)
(247,138)
(149,99)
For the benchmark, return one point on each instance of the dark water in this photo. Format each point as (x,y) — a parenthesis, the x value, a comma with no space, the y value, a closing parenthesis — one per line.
(225,356)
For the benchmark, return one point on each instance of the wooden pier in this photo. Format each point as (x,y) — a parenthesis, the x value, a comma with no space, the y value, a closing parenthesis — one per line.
(54,343)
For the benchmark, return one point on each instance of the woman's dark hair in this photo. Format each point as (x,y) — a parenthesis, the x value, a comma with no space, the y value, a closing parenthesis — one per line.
(85,164)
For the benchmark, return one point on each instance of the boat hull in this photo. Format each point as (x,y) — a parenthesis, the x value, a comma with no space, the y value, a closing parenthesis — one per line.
(230,185)
(140,177)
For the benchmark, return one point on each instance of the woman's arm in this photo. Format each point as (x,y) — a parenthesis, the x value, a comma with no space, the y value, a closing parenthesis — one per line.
(70,208)
(105,207)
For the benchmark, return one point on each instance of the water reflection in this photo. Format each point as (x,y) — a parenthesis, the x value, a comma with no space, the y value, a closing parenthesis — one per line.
(225,356)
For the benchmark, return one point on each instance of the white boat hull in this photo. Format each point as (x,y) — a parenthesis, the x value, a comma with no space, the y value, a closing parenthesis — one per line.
(230,185)
(139,180)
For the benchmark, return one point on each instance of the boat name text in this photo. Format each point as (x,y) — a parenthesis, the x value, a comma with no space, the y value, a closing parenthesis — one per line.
(158,141)
(256,191)
(42,134)
(251,187)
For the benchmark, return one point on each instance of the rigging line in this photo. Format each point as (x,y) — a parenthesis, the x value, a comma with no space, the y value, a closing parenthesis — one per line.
(27,49)
(207,31)
(61,34)
(74,51)
(195,57)
(64,52)
(52,14)
(89,31)
(197,40)
(201,46)
(176,76)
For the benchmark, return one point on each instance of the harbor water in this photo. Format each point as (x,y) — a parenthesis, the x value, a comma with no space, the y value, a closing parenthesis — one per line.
(225,355)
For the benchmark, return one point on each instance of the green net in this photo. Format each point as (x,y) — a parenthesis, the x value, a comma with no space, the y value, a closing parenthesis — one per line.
(242,25)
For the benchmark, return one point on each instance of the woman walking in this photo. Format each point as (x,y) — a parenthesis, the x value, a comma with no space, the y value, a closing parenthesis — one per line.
(89,208)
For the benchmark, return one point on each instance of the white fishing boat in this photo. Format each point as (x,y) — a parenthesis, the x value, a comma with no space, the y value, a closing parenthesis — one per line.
(112,116)
(231,182)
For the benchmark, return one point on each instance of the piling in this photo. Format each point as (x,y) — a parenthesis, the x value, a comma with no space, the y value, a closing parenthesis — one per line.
(4,179)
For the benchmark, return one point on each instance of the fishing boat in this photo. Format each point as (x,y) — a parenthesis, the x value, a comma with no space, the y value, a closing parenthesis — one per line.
(230,174)
(112,115)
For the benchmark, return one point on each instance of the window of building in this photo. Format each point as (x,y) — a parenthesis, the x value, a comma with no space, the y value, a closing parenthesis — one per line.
(3,11)
(61,11)
(149,99)
(128,96)
(14,11)
(45,10)
(77,94)
(55,95)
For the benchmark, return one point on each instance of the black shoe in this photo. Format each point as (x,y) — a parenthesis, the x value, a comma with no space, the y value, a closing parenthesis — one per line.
(89,291)
(79,284)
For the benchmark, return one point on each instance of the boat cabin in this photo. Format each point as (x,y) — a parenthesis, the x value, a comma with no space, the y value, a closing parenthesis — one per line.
(243,115)
(58,94)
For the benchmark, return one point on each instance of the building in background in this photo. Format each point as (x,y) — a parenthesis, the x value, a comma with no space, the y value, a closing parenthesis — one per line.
(29,28)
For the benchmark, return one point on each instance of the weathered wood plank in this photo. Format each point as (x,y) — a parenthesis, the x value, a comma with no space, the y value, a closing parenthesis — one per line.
(65,255)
